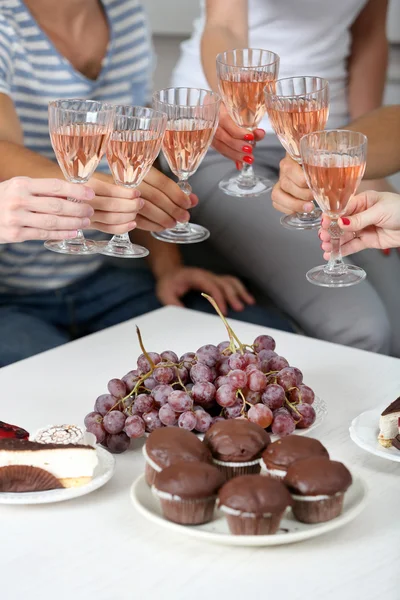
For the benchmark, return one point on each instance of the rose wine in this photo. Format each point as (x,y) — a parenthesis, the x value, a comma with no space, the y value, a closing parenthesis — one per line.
(185,143)
(292,122)
(334,179)
(79,148)
(130,154)
(243,95)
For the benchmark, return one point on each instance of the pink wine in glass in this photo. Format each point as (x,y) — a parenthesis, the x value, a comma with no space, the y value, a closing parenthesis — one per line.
(79,147)
(185,143)
(130,154)
(243,95)
(292,122)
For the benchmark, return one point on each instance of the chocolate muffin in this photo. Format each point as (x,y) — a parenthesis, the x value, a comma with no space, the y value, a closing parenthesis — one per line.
(236,446)
(168,445)
(279,455)
(317,485)
(188,491)
(253,504)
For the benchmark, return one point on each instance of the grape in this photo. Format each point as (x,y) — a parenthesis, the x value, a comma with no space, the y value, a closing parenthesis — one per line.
(183,374)
(283,424)
(252,359)
(214,373)
(200,372)
(93,417)
(237,379)
(250,368)
(238,361)
(203,421)
(303,394)
(160,394)
(273,396)
(180,401)
(264,342)
(168,416)
(150,383)
(198,407)
(131,379)
(225,396)
(163,374)
(144,365)
(135,427)
(131,410)
(169,356)
(261,415)
(223,346)
(307,416)
(257,382)
(114,421)
(208,355)
(287,378)
(217,419)
(188,359)
(231,412)
(187,420)
(104,403)
(152,420)
(98,430)
(118,443)
(117,388)
(203,393)
(222,366)
(277,363)
(299,375)
(144,403)
(221,381)
(251,397)
(266,354)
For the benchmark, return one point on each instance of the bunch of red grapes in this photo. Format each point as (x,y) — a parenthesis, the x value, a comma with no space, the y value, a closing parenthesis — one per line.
(200,388)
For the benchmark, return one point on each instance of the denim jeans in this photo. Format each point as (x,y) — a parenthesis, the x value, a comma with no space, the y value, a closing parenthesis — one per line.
(33,323)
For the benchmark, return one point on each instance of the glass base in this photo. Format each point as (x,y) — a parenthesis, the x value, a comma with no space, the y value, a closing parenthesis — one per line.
(235,187)
(349,275)
(83,247)
(302,221)
(122,249)
(190,233)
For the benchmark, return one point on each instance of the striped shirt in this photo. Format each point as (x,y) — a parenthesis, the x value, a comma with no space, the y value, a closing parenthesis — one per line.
(32,72)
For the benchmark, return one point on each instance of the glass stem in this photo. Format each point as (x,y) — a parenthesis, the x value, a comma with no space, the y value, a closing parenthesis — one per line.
(335,263)
(246,177)
(79,240)
(120,238)
(186,189)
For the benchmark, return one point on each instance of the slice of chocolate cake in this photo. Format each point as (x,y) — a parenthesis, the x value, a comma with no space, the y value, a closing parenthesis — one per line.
(389,424)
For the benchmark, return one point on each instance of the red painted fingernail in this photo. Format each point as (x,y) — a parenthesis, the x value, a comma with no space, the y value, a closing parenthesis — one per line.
(248,137)
(386,251)
(238,165)
(248,159)
(247,149)
(345,221)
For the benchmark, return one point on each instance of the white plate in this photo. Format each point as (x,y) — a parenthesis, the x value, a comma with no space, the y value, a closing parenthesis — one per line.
(364,431)
(103,473)
(217,531)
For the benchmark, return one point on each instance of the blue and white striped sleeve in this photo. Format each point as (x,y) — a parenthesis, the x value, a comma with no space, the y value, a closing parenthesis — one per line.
(6,58)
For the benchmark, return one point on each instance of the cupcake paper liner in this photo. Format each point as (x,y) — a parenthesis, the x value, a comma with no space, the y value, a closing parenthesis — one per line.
(151,468)
(186,511)
(234,469)
(317,509)
(23,478)
(241,523)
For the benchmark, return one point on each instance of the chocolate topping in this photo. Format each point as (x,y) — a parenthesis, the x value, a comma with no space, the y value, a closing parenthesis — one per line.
(316,476)
(396,442)
(236,440)
(168,445)
(282,453)
(190,480)
(392,408)
(27,446)
(255,494)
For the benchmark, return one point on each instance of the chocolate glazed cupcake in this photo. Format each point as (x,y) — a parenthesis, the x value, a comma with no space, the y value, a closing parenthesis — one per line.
(279,455)
(236,446)
(253,504)
(168,445)
(317,486)
(188,491)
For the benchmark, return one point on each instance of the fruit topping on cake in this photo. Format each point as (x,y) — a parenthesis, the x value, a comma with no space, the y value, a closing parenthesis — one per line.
(12,431)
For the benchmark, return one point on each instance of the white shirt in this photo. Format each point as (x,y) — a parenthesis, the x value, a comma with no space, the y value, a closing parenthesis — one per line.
(312,37)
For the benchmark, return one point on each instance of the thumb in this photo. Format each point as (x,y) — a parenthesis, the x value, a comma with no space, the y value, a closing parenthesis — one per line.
(361,220)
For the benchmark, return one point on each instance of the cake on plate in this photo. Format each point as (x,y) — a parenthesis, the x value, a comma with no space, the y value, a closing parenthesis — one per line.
(389,424)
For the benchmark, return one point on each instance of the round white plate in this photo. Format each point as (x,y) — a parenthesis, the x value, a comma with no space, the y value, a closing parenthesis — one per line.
(364,431)
(217,531)
(103,473)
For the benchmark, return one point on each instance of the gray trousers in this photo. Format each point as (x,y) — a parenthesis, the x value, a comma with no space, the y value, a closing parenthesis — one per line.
(248,235)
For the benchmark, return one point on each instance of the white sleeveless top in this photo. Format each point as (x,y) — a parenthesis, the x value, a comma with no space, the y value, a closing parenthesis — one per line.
(312,37)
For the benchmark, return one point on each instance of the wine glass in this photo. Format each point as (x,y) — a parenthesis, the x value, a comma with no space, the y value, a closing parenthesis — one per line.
(192,118)
(297,106)
(334,164)
(242,76)
(133,147)
(79,133)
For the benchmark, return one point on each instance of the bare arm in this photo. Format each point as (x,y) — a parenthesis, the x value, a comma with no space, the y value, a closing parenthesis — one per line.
(368,60)
(226,28)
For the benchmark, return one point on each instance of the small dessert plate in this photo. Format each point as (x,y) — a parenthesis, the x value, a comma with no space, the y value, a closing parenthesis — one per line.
(364,431)
(217,531)
(103,473)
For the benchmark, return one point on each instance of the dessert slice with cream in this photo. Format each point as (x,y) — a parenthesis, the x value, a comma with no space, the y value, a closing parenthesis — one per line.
(389,424)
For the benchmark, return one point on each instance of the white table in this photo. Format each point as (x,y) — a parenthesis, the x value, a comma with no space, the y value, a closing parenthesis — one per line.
(98,548)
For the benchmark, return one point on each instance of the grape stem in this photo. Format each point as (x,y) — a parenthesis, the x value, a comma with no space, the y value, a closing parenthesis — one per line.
(243,411)
(232,335)
(143,349)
